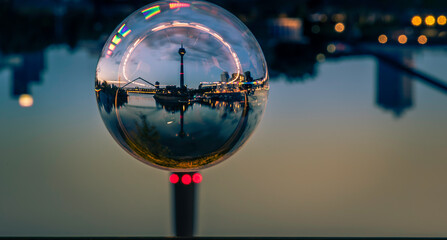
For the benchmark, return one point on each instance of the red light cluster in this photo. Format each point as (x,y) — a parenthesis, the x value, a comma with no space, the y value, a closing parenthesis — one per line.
(186,179)
(178,5)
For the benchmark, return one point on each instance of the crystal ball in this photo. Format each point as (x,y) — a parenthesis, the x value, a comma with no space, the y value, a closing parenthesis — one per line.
(181,85)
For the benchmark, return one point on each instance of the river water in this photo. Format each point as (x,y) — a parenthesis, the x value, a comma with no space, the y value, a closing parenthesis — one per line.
(328,159)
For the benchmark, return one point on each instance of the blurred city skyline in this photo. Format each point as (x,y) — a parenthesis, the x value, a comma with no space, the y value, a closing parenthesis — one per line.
(352,142)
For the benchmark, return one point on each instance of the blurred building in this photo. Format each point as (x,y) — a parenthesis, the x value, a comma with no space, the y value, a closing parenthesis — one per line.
(394,89)
(224,77)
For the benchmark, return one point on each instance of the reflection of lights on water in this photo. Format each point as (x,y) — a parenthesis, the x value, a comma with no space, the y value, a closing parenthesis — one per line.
(26,100)
(321,57)
(339,27)
(442,20)
(422,39)
(416,21)
(331,48)
(383,39)
(402,39)
(430,20)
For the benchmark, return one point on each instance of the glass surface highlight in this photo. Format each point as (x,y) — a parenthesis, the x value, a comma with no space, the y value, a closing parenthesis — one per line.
(181,85)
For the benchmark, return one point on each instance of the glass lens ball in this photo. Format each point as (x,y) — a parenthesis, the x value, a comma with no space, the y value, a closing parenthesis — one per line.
(181,85)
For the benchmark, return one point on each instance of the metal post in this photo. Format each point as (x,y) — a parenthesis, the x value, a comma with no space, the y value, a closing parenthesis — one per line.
(184,207)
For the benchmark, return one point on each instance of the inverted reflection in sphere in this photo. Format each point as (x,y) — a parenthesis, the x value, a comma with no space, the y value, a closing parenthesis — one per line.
(181,85)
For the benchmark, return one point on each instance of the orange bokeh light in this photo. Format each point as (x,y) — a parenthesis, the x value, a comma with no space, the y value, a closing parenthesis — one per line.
(430,20)
(402,39)
(422,39)
(416,21)
(339,27)
(383,39)
(442,20)
(26,100)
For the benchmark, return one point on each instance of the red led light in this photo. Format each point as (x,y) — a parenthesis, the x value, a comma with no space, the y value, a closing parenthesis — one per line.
(196,178)
(174,178)
(186,179)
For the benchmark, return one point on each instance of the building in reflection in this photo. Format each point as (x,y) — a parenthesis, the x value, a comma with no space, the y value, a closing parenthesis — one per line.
(224,77)
(394,88)
(28,71)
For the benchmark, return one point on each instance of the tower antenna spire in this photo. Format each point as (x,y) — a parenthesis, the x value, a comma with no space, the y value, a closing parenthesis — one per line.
(182,52)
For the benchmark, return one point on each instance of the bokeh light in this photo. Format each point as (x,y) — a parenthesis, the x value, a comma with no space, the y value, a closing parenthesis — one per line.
(26,100)
(402,39)
(320,57)
(174,178)
(430,20)
(416,21)
(442,20)
(181,85)
(339,27)
(422,39)
(186,179)
(331,48)
(383,39)
(197,178)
